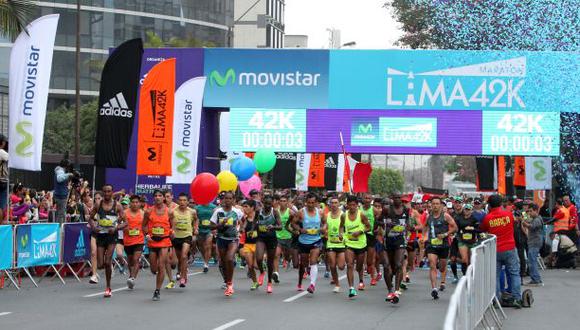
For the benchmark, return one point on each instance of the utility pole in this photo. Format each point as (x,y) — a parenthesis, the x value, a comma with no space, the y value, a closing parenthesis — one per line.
(78,88)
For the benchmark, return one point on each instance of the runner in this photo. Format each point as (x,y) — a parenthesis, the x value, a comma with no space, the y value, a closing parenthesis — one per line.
(440,225)
(157,223)
(185,228)
(88,209)
(457,214)
(310,223)
(284,239)
(250,228)
(369,211)
(204,238)
(133,238)
(412,243)
(353,226)
(171,257)
(468,231)
(109,216)
(268,224)
(225,219)
(335,245)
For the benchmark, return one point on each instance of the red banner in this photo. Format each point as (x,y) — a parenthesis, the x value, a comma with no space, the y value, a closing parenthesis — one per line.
(316,173)
(520,171)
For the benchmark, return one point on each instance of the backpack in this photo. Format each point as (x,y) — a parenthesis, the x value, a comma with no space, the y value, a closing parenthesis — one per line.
(527,298)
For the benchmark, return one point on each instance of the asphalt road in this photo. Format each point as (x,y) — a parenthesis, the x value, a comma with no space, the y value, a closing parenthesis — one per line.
(202,305)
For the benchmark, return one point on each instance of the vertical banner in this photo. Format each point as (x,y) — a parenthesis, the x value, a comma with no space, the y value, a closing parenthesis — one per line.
(186,129)
(77,242)
(30,66)
(501,184)
(316,172)
(538,173)
(330,171)
(302,171)
(539,197)
(6,247)
(38,244)
(485,173)
(117,101)
(520,171)
(284,174)
(362,172)
(340,173)
(155,134)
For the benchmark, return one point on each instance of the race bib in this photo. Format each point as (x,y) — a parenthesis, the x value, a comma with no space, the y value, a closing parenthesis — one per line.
(312,231)
(158,231)
(182,226)
(227,221)
(398,229)
(467,236)
(263,228)
(335,239)
(352,238)
(134,232)
(105,223)
(205,223)
(252,234)
(436,241)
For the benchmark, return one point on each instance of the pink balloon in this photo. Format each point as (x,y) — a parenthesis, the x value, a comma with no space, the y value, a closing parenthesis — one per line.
(252,183)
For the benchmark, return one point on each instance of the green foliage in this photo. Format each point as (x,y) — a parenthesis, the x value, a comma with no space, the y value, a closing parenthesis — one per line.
(14,16)
(153,40)
(386,181)
(59,129)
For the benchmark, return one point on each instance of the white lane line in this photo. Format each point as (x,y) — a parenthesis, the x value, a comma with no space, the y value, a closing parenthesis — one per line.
(229,324)
(5,313)
(193,274)
(102,293)
(302,294)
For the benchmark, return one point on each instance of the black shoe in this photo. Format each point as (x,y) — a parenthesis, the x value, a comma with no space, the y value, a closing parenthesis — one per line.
(517,304)
(156,295)
(276,277)
(435,294)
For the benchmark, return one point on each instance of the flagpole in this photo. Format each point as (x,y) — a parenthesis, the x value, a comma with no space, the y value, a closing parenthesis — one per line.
(346,164)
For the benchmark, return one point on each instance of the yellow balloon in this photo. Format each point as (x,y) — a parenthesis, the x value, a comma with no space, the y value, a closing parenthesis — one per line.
(227,181)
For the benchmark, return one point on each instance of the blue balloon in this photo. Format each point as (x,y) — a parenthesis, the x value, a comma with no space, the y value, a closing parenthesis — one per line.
(243,168)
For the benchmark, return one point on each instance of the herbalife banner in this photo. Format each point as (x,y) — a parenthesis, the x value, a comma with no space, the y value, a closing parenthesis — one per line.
(30,66)
(38,244)
(6,247)
(77,242)
(538,173)
(117,99)
(186,129)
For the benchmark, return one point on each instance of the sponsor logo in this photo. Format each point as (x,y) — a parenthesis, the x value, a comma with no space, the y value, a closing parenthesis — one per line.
(158,110)
(286,156)
(364,129)
(216,78)
(46,247)
(541,174)
(24,240)
(275,79)
(152,154)
(80,248)
(330,163)
(116,107)
(185,166)
(31,76)
(409,131)
(22,128)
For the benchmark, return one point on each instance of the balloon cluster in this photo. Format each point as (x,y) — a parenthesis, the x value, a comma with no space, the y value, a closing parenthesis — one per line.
(205,186)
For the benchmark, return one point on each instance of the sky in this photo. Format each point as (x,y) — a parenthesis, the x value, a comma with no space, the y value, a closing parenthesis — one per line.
(363,21)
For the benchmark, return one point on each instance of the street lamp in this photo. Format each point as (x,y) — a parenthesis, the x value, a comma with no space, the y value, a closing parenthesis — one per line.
(348,44)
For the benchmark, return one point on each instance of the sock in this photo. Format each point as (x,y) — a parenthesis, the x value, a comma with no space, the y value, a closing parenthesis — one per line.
(464,268)
(313,274)
(454,269)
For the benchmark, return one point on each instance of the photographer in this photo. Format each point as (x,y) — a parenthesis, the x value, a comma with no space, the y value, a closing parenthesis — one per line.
(62,175)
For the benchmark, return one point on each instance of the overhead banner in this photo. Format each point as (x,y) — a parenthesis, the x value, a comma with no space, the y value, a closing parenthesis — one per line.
(156,102)
(77,242)
(538,173)
(255,78)
(30,67)
(117,101)
(6,247)
(37,244)
(186,130)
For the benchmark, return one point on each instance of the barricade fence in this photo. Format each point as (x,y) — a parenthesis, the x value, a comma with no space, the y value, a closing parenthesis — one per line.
(472,302)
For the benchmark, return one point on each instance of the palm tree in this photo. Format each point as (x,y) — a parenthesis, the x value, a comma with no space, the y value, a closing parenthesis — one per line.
(14,16)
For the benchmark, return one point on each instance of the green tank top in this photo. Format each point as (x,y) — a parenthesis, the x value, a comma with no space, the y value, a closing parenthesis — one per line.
(183,226)
(351,226)
(284,233)
(204,213)
(370,213)
(333,232)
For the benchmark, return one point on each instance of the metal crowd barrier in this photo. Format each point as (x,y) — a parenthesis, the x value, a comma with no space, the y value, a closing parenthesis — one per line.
(474,298)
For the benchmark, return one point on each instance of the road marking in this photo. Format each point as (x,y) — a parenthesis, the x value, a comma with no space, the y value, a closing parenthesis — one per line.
(229,324)
(101,293)
(302,294)
(5,313)
(193,274)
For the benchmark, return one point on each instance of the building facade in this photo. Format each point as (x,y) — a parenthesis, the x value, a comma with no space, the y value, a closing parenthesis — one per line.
(258,24)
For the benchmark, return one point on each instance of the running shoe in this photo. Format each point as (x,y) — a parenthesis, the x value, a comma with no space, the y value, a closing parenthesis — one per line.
(407,279)
(442,287)
(390,296)
(229,291)
(156,295)
(284,264)
(205,269)
(269,288)
(332,282)
(379,276)
(177,277)
(352,293)
(299,287)
(403,286)
(261,278)
(94,279)
(131,283)
(454,281)
(182,283)
(311,289)
(361,286)
(276,277)
(373,281)
(108,293)
(336,289)
(305,276)
(254,286)
(435,294)
(396,296)
(327,274)
(224,286)
(170,285)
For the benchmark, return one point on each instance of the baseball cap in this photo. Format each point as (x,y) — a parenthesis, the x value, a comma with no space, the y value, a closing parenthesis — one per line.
(458,199)
(254,192)
(449,205)
(468,206)
(477,201)
(125,201)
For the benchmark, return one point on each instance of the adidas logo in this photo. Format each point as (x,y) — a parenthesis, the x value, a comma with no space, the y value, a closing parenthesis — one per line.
(329,163)
(81,241)
(116,107)
(286,156)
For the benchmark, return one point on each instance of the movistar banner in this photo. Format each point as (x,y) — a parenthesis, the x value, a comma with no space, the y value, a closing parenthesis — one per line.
(247,78)
(30,66)
(6,247)
(454,80)
(37,244)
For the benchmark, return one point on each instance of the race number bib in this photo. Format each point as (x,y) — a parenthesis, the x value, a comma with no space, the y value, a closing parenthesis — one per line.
(134,232)
(312,231)
(252,234)
(182,226)
(158,231)
(398,229)
(467,236)
(205,223)
(105,222)
(436,241)
(335,239)
(263,228)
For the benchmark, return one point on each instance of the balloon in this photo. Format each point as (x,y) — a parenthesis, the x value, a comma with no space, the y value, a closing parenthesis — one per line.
(253,183)
(243,168)
(204,188)
(265,160)
(227,181)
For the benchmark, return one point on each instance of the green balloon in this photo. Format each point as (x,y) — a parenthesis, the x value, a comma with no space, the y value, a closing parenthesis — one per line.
(265,160)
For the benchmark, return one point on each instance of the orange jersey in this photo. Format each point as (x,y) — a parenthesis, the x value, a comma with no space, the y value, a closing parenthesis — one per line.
(159,228)
(133,233)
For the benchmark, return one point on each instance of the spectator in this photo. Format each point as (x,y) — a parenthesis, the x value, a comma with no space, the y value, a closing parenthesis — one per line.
(535,227)
(562,218)
(520,233)
(62,176)
(501,224)
(478,210)
(573,231)
(43,209)
(3,172)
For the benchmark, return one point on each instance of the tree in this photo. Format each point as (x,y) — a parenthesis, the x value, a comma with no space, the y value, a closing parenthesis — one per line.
(59,129)
(386,181)
(14,16)
(153,40)
(463,167)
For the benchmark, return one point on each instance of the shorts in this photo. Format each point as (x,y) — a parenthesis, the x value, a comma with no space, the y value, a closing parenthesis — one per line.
(379,247)
(132,249)
(248,248)
(371,240)
(465,244)
(105,240)
(455,248)
(178,242)
(120,241)
(223,244)
(285,243)
(412,246)
(295,242)
(270,242)
(336,250)
(156,249)
(441,252)
(306,248)
(163,242)
(357,252)
(392,244)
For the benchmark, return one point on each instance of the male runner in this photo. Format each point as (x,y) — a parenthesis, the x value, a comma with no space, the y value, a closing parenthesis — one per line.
(157,223)
(353,226)
(171,257)
(185,228)
(310,222)
(335,244)
(369,211)
(109,216)
(439,226)
(457,214)
(204,238)
(268,224)
(249,227)
(412,242)
(225,219)
(134,238)
(284,238)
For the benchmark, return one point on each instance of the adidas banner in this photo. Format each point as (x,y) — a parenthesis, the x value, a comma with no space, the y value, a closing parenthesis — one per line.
(77,242)
(117,100)
(30,66)
(186,128)
(284,174)
(330,171)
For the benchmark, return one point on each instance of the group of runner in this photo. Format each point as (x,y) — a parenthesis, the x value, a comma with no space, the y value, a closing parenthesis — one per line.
(272,231)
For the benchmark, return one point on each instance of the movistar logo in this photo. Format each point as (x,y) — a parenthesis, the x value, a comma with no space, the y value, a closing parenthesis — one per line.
(22,128)
(365,129)
(24,240)
(216,78)
(541,175)
(184,167)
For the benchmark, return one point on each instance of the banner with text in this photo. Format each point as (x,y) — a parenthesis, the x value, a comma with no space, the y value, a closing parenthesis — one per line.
(6,247)
(77,242)
(37,244)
